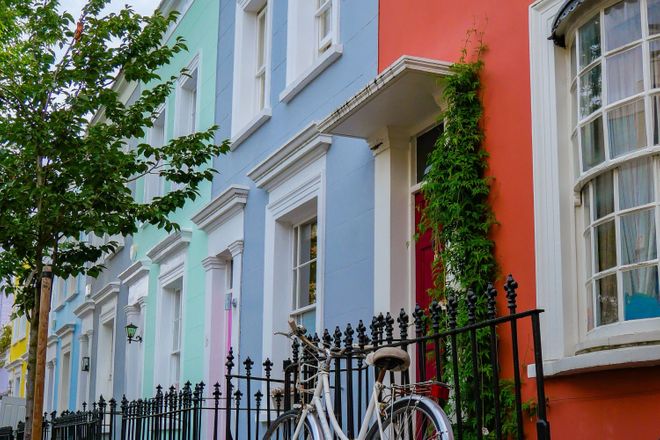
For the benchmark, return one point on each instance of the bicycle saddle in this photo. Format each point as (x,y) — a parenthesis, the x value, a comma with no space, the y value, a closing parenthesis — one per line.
(389,358)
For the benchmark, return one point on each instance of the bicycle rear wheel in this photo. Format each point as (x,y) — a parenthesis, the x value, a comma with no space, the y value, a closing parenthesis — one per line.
(413,418)
(284,427)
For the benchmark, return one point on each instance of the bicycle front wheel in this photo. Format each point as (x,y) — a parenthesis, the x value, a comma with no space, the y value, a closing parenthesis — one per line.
(284,427)
(413,418)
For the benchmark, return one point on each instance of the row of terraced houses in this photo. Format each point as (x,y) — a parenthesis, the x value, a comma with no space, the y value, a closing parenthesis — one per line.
(333,107)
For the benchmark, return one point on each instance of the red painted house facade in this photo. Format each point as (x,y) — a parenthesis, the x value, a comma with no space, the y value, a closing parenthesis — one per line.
(572,128)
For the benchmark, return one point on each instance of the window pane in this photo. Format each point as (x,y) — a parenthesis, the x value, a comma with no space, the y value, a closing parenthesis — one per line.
(261,38)
(306,289)
(654,16)
(624,74)
(589,35)
(587,247)
(586,200)
(604,195)
(605,246)
(424,148)
(608,302)
(640,293)
(656,120)
(590,91)
(638,237)
(622,24)
(308,320)
(654,47)
(635,184)
(590,306)
(307,234)
(627,129)
(573,60)
(574,105)
(593,144)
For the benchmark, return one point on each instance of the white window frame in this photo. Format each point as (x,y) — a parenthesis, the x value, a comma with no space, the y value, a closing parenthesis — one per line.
(64,380)
(247,112)
(171,255)
(559,262)
(307,56)
(294,177)
(186,119)
(153,183)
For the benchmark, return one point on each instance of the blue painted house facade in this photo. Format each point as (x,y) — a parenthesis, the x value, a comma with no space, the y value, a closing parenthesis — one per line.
(290,227)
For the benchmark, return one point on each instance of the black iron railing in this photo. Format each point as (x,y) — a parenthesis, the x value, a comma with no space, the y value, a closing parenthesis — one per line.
(244,404)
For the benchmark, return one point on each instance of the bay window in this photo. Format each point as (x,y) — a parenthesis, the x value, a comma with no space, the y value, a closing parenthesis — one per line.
(614,91)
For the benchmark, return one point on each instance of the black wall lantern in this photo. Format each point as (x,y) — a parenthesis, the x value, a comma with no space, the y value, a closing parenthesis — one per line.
(130,333)
(85,363)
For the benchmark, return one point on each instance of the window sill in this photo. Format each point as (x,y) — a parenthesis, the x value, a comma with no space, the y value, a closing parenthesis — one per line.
(320,64)
(71,297)
(249,128)
(624,357)
(59,307)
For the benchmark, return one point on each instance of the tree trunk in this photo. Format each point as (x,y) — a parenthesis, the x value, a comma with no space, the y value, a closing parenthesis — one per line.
(32,360)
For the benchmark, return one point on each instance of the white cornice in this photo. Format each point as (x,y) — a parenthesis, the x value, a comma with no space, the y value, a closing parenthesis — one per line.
(135,271)
(235,248)
(213,263)
(84,309)
(65,330)
(399,96)
(52,339)
(222,208)
(109,290)
(295,154)
(169,245)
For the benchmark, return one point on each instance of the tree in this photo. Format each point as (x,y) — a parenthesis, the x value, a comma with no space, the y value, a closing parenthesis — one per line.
(65,163)
(5,343)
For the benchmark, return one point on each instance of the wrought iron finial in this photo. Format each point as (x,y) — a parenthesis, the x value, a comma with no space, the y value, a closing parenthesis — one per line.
(510,286)
(389,328)
(361,334)
(380,326)
(295,347)
(471,306)
(268,367)
(337,337)
(491,293)
(373,327)
(435,310)
(418,315)
(230,360)
(348,337)
(216,391)
(403,321)
(248,366)
(452,310)
(327,339)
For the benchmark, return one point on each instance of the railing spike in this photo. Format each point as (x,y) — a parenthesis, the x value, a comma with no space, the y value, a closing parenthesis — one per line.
(491,293)
(510,286)
(471,306)
(337,337)
(389,328)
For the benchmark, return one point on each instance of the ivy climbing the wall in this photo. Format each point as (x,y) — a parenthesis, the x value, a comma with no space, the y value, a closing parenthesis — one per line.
(460,217)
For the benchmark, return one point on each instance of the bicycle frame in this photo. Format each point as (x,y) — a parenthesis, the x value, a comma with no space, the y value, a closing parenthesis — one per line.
(327,414)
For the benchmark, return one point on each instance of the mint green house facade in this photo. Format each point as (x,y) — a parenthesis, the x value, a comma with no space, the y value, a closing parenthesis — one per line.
(166,280)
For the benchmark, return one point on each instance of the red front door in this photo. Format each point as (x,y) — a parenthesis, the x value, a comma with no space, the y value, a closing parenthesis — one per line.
(424,253)
(423,258)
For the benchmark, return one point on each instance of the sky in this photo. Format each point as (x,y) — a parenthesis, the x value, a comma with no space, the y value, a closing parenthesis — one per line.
(144,7)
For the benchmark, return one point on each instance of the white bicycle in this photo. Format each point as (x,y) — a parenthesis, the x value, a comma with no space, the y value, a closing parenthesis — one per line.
(400,412)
